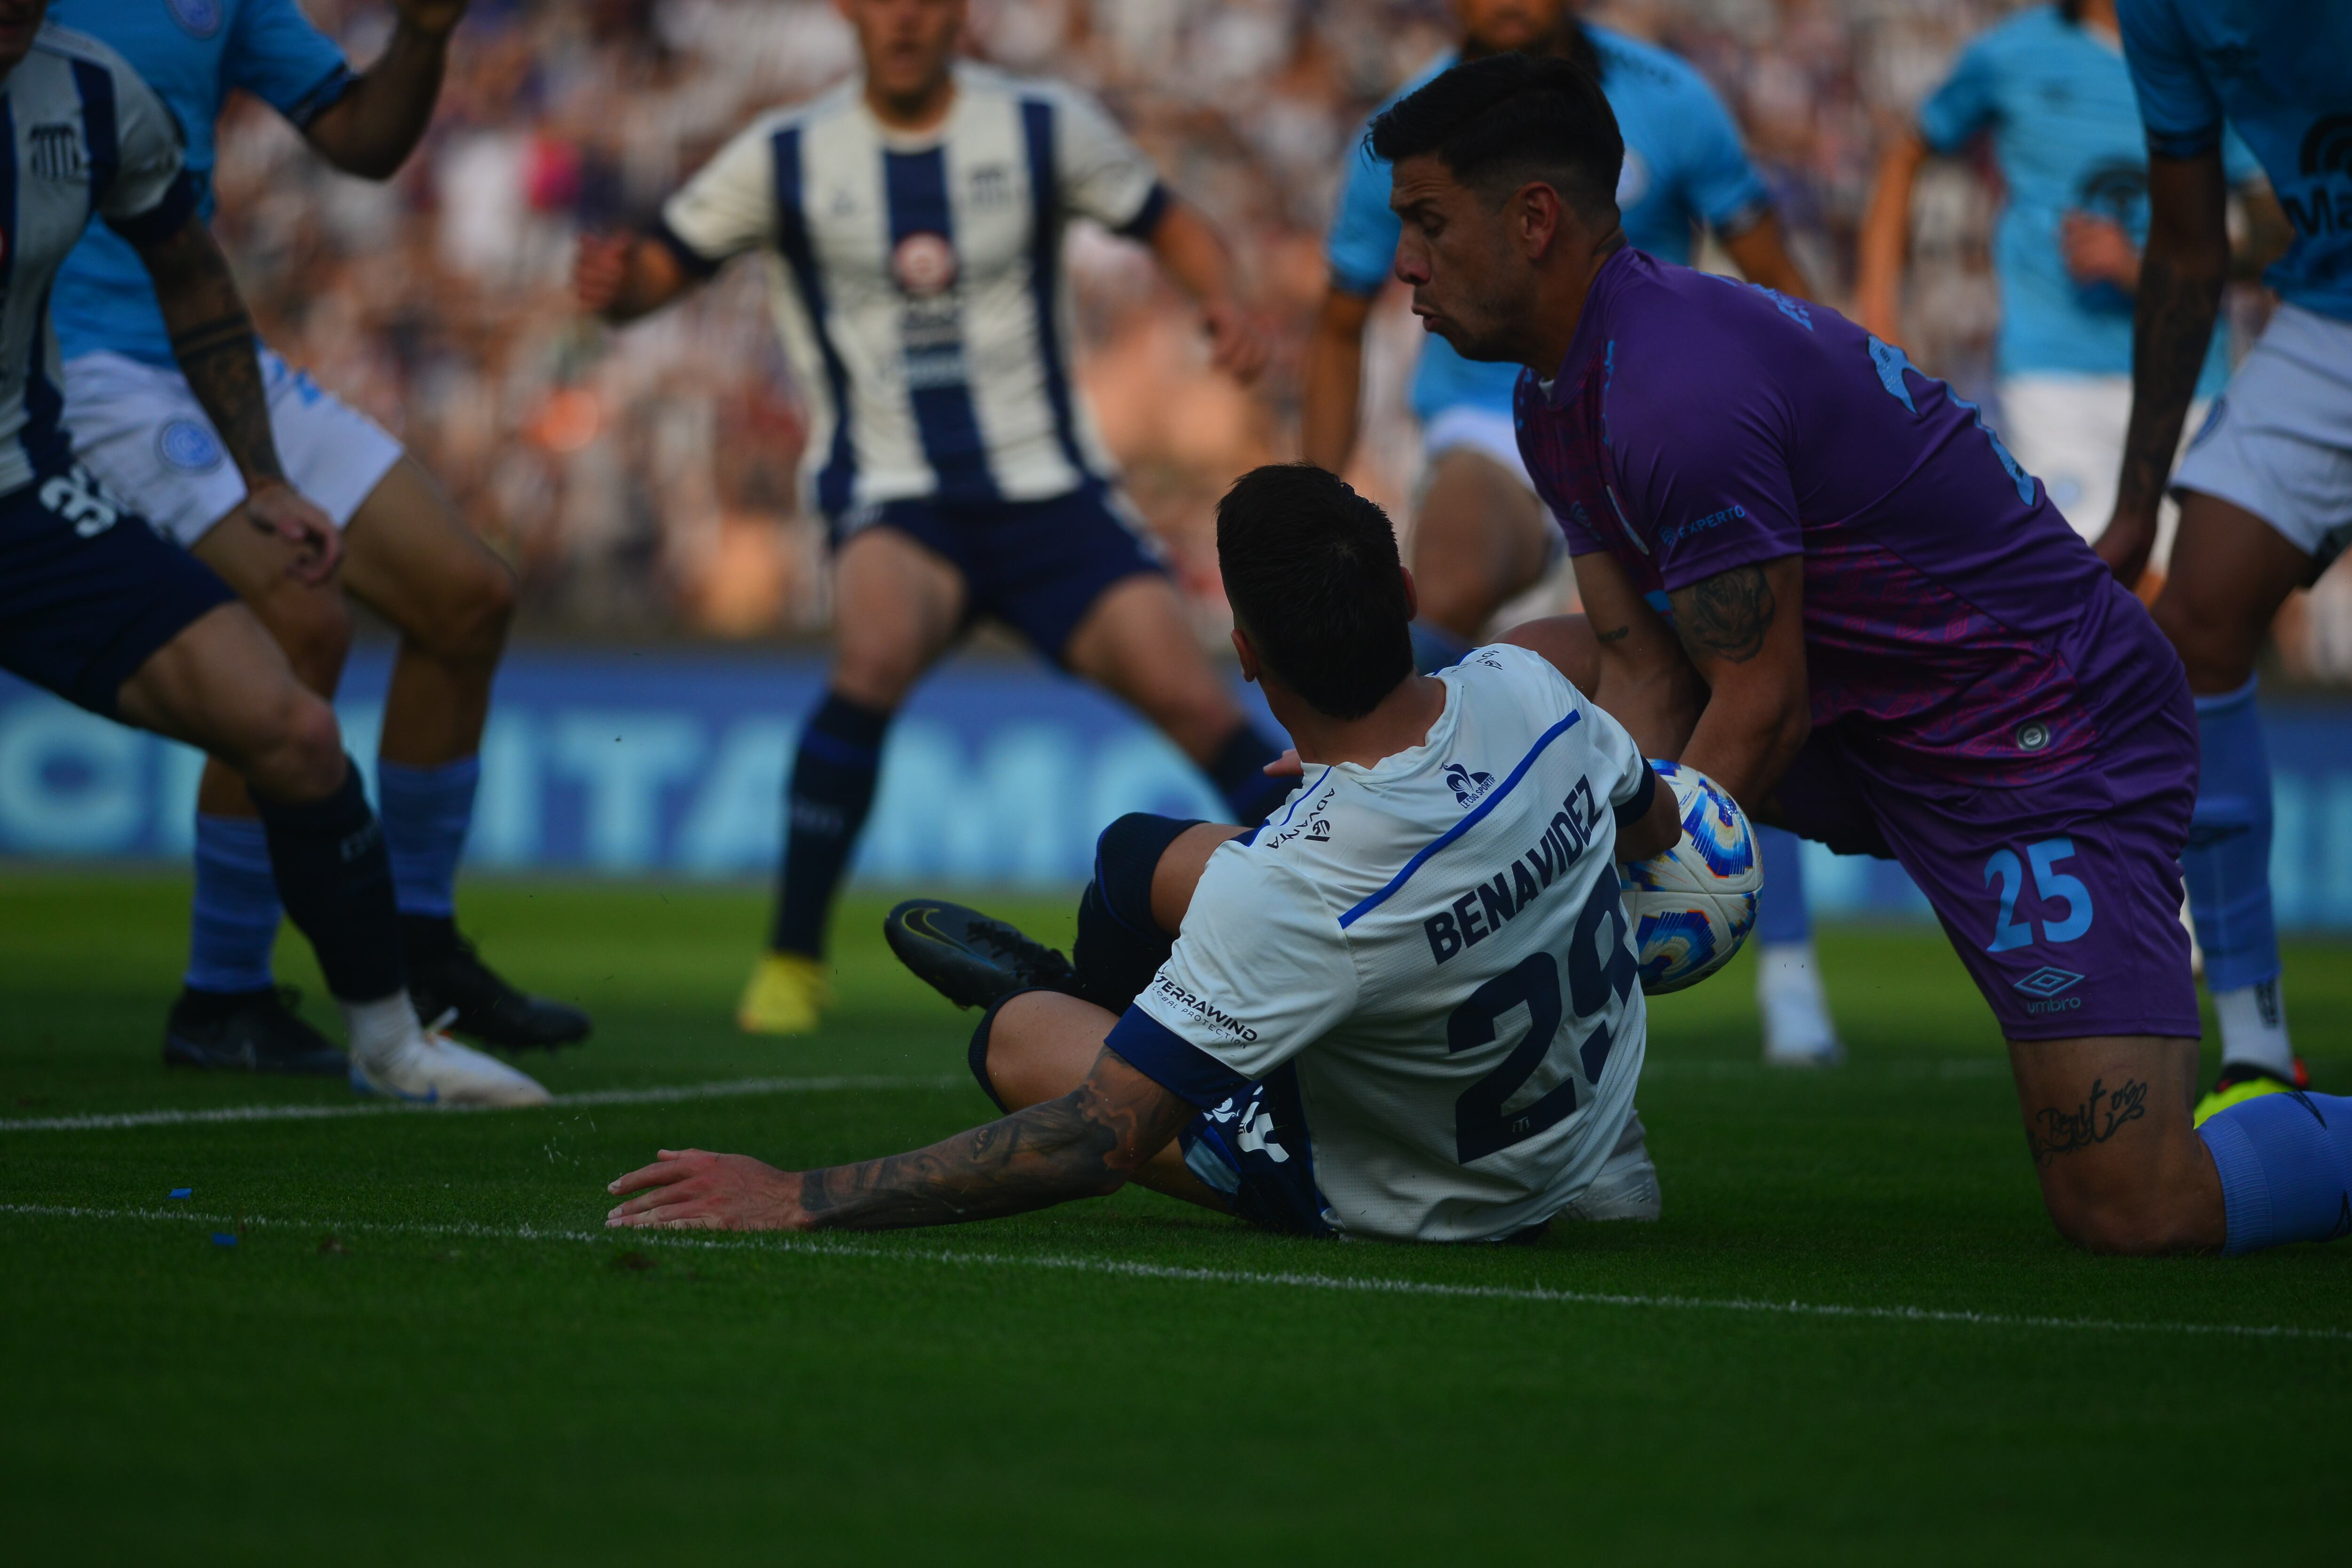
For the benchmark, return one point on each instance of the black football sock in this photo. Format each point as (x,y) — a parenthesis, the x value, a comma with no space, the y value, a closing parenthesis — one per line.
(825,805)
(1120,946)
(334,878)
(1238,769)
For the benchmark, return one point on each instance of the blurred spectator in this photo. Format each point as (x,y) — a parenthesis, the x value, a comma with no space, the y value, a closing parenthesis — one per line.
(643,481)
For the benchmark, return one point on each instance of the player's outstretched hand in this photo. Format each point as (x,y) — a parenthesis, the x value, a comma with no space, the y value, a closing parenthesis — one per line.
(1237,339)
(600,268)
(278,508)
(692,1189)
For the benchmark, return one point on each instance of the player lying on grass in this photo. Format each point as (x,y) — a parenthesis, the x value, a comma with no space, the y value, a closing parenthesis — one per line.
(98,608)
(1813,573)
(1405,1006)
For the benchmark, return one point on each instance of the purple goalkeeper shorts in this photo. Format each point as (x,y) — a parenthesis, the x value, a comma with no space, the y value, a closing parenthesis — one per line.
(2062,898)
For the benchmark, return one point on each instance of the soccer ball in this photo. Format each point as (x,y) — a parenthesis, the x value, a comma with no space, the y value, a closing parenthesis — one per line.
(1692,906)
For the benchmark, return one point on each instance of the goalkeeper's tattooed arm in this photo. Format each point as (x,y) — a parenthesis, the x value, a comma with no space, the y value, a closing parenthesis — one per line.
(1743,631)
(1087,1143)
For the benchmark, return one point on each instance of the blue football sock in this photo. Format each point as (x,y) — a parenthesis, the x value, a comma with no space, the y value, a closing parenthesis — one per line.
(2286,1163)
(1238,769)
(832,789)
(335,881)
(2228,861)
(426,812)
(234,922)
(1780,914)
(1436,649)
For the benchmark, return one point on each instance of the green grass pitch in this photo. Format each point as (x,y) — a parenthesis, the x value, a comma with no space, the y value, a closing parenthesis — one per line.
(1854,1337)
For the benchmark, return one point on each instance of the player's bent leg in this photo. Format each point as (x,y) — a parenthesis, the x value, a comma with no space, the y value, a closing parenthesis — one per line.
(2107,1122)
(223,684)
(1480,540)
(1135,642)
(413,560)
(230,1011)
(2231,570)
(897,605)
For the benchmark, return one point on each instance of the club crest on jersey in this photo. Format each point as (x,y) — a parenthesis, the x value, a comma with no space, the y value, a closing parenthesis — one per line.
(197,18)
(923,265)
(1467,786)
(186,446)
(56,152)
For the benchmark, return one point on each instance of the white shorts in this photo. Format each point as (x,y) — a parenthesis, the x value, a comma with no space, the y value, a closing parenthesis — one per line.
(2279,440)
(139,428)
(2068,432)
(1483,430)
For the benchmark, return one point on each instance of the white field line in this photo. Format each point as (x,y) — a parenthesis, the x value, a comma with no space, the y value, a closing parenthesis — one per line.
(729,1089)
(668,1094)
(1123,1269)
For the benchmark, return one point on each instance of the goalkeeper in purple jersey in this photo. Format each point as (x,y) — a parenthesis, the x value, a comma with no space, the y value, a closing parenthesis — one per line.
(1813,573)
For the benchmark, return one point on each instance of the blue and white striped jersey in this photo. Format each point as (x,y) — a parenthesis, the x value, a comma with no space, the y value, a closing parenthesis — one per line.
(86,138)
(917,281)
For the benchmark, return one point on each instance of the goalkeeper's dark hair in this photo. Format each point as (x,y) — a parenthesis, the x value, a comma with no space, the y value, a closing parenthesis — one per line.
(1312,572)
(1499,123)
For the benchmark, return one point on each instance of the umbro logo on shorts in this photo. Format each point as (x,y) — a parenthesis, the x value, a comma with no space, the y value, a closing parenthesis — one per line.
(2047,982)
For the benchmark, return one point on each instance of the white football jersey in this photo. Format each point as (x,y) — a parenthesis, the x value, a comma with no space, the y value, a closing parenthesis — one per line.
(918,282)
(87,138)
(1436,947)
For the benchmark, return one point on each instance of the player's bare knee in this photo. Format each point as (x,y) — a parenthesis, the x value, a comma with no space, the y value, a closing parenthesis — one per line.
(312,623)
(299,755)
(2217,651)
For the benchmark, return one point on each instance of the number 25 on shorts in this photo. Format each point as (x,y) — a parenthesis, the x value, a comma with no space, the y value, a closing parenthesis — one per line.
(2053,886)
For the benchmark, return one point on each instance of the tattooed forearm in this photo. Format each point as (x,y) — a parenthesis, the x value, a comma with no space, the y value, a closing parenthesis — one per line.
(2104,1112)
(2172,326)
(1619,634)
(1080,1145)
(1725,615)
(212,339)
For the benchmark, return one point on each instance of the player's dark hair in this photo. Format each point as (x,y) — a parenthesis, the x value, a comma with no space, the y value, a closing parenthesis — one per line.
(1499,122)
(1312,573)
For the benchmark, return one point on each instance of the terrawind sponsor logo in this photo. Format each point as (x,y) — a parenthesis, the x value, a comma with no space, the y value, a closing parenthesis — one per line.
(1204,1010)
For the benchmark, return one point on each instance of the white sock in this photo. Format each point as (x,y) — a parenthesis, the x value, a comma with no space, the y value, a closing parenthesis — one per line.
(1796,1010)
(381,1029)
(2253,1027)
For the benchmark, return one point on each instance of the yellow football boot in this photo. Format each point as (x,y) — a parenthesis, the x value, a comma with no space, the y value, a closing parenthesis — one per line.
(2239,1083)
(787,996)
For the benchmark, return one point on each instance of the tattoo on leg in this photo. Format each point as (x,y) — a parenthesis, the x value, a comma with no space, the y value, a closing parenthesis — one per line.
(2100,1116)
(1726,616)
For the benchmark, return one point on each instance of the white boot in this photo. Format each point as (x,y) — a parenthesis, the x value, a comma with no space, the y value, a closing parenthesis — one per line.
(1797,1027)
(1627,1186)
(391,1054)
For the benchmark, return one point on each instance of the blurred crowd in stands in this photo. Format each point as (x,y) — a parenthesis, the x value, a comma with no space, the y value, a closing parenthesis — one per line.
(642,481)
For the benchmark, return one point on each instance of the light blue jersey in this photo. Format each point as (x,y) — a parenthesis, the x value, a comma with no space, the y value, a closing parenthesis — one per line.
(192,52)
(1683,165)
(2057,101)
(2280,71)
